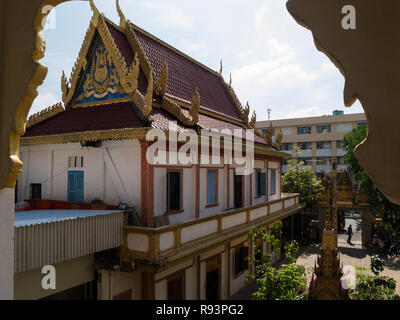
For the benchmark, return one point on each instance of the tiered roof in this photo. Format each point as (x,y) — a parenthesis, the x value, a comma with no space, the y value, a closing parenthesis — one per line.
(157,84)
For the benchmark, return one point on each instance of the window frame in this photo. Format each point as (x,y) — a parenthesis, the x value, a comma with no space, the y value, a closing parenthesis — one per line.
(258,194)
(75,172)
(321,126)
(287,144)
(275,176)
(180,171)
(175,276)
(244,263)
(307,142)
(323,142)
(216,171)
(309,130)
(32,186)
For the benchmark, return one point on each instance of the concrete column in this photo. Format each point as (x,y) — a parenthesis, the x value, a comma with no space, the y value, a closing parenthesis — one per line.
(366,226)
(7,244)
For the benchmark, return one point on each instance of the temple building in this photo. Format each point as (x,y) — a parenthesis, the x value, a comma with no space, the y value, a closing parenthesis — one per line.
(124,226)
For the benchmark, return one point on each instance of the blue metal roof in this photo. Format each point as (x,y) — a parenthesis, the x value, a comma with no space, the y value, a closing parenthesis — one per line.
(32,217)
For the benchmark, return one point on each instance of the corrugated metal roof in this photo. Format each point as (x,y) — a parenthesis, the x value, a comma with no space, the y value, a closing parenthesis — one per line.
(34,217)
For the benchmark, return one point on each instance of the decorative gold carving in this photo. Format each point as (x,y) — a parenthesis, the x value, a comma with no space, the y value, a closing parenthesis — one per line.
(195,107)
(122,19)
(114,134)
(245,113)
(30,95)
(163,79)
(269,135)
(173,108)
(44,114)
(148,99)
(127,78)
(137,48)
(252,123)
(96,14)
(278,138)
(133,75)
(68,90)
(102,102)
(102,78)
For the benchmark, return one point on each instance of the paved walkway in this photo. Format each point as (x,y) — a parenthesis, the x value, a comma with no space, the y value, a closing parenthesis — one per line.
(350,254)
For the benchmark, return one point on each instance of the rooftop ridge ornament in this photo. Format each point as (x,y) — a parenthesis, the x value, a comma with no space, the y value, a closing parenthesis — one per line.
(221,67)
(96,14)
(122,19)
(245,113)
(253,120)
(163,79)
(148,99)
(230,79)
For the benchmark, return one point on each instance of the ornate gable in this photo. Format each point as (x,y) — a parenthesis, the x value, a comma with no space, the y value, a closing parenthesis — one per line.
(100,81)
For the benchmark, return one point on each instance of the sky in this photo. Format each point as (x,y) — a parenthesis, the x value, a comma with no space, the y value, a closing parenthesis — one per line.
(273,61)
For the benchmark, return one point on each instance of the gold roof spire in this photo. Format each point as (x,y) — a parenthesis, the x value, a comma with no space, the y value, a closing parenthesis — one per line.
(122,19)
(96,14)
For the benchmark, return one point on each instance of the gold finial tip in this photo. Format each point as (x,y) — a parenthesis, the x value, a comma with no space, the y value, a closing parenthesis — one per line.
(122,21)
(96,13)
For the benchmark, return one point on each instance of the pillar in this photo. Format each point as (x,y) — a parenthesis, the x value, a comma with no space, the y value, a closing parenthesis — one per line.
(7,244)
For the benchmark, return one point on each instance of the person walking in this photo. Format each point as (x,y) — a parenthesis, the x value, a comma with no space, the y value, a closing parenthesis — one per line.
(349,233)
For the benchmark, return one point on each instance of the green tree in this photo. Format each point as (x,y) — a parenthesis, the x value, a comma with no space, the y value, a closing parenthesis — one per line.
(285,283)
(374,287)
(389,231)
(301,179)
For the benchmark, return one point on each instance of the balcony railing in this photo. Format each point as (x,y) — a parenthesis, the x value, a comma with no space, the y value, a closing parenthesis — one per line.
(156,245)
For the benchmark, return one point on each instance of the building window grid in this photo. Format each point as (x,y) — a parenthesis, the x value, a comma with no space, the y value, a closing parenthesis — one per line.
(287,146)
(324,145)
(324,128)
(305,145)
(304,130)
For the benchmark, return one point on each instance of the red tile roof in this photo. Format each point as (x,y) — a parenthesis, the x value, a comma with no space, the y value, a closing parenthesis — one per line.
(112,116)
(185,75)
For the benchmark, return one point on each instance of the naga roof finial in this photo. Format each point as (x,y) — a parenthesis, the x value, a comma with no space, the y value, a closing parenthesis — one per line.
(122,19)
(221,67)
(96,14)
(230,79)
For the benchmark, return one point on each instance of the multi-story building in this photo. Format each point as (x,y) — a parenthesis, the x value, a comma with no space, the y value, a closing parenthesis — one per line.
(319,138)
(189,238)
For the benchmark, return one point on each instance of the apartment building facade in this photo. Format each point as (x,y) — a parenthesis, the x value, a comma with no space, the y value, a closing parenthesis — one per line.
(319,138)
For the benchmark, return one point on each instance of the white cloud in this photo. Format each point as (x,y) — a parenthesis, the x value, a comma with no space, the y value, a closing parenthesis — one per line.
(169,15)
(43,101)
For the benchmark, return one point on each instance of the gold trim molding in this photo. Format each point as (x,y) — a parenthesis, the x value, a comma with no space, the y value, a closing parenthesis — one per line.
(84,136)
(44,114)
(32,92)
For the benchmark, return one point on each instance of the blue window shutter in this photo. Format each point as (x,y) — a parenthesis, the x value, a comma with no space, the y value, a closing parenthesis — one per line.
(258,186)
(273,182)
(79,186)
(263,184)
(71,186)
(75,186)
(212,187)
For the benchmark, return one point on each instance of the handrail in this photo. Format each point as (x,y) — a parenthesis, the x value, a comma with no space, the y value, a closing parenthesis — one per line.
(152,243)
